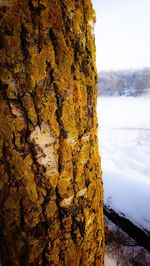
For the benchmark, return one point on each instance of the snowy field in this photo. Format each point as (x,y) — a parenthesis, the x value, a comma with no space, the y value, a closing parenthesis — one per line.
(124,139)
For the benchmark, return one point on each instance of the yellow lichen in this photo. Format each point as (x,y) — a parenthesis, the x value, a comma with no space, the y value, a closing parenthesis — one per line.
(77,22)
(50,174)
(50,209)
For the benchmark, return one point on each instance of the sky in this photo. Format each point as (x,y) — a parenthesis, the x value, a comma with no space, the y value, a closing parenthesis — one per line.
(122,34)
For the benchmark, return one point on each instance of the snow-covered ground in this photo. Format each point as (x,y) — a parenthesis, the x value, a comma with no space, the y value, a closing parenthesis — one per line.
(124,139)
(121,249)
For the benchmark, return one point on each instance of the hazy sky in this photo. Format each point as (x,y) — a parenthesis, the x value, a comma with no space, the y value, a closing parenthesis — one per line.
(122,34)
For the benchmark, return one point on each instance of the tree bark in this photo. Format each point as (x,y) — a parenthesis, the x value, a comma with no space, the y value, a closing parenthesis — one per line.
(51,197)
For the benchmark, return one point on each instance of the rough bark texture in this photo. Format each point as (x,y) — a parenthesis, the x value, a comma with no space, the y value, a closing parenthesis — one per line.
(50,184)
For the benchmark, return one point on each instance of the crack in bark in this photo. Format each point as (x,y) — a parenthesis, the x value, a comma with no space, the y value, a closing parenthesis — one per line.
(36,109)
(44,260)
(24,42)
(54,40)
(59,100)
(60,209)
(25,113)
(3,88)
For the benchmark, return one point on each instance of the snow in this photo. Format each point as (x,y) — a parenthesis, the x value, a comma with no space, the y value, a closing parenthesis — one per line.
(121,249)
(124,140)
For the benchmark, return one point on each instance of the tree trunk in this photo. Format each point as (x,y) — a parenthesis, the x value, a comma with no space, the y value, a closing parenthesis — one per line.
(51,196)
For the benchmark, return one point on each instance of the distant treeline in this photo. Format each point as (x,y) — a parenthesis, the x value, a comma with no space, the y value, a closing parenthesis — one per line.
(127,82)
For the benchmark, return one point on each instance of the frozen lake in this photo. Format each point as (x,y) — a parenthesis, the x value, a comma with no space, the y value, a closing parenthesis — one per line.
(124,140)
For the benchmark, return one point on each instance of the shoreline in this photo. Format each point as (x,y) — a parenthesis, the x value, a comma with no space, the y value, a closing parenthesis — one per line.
(141,237)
